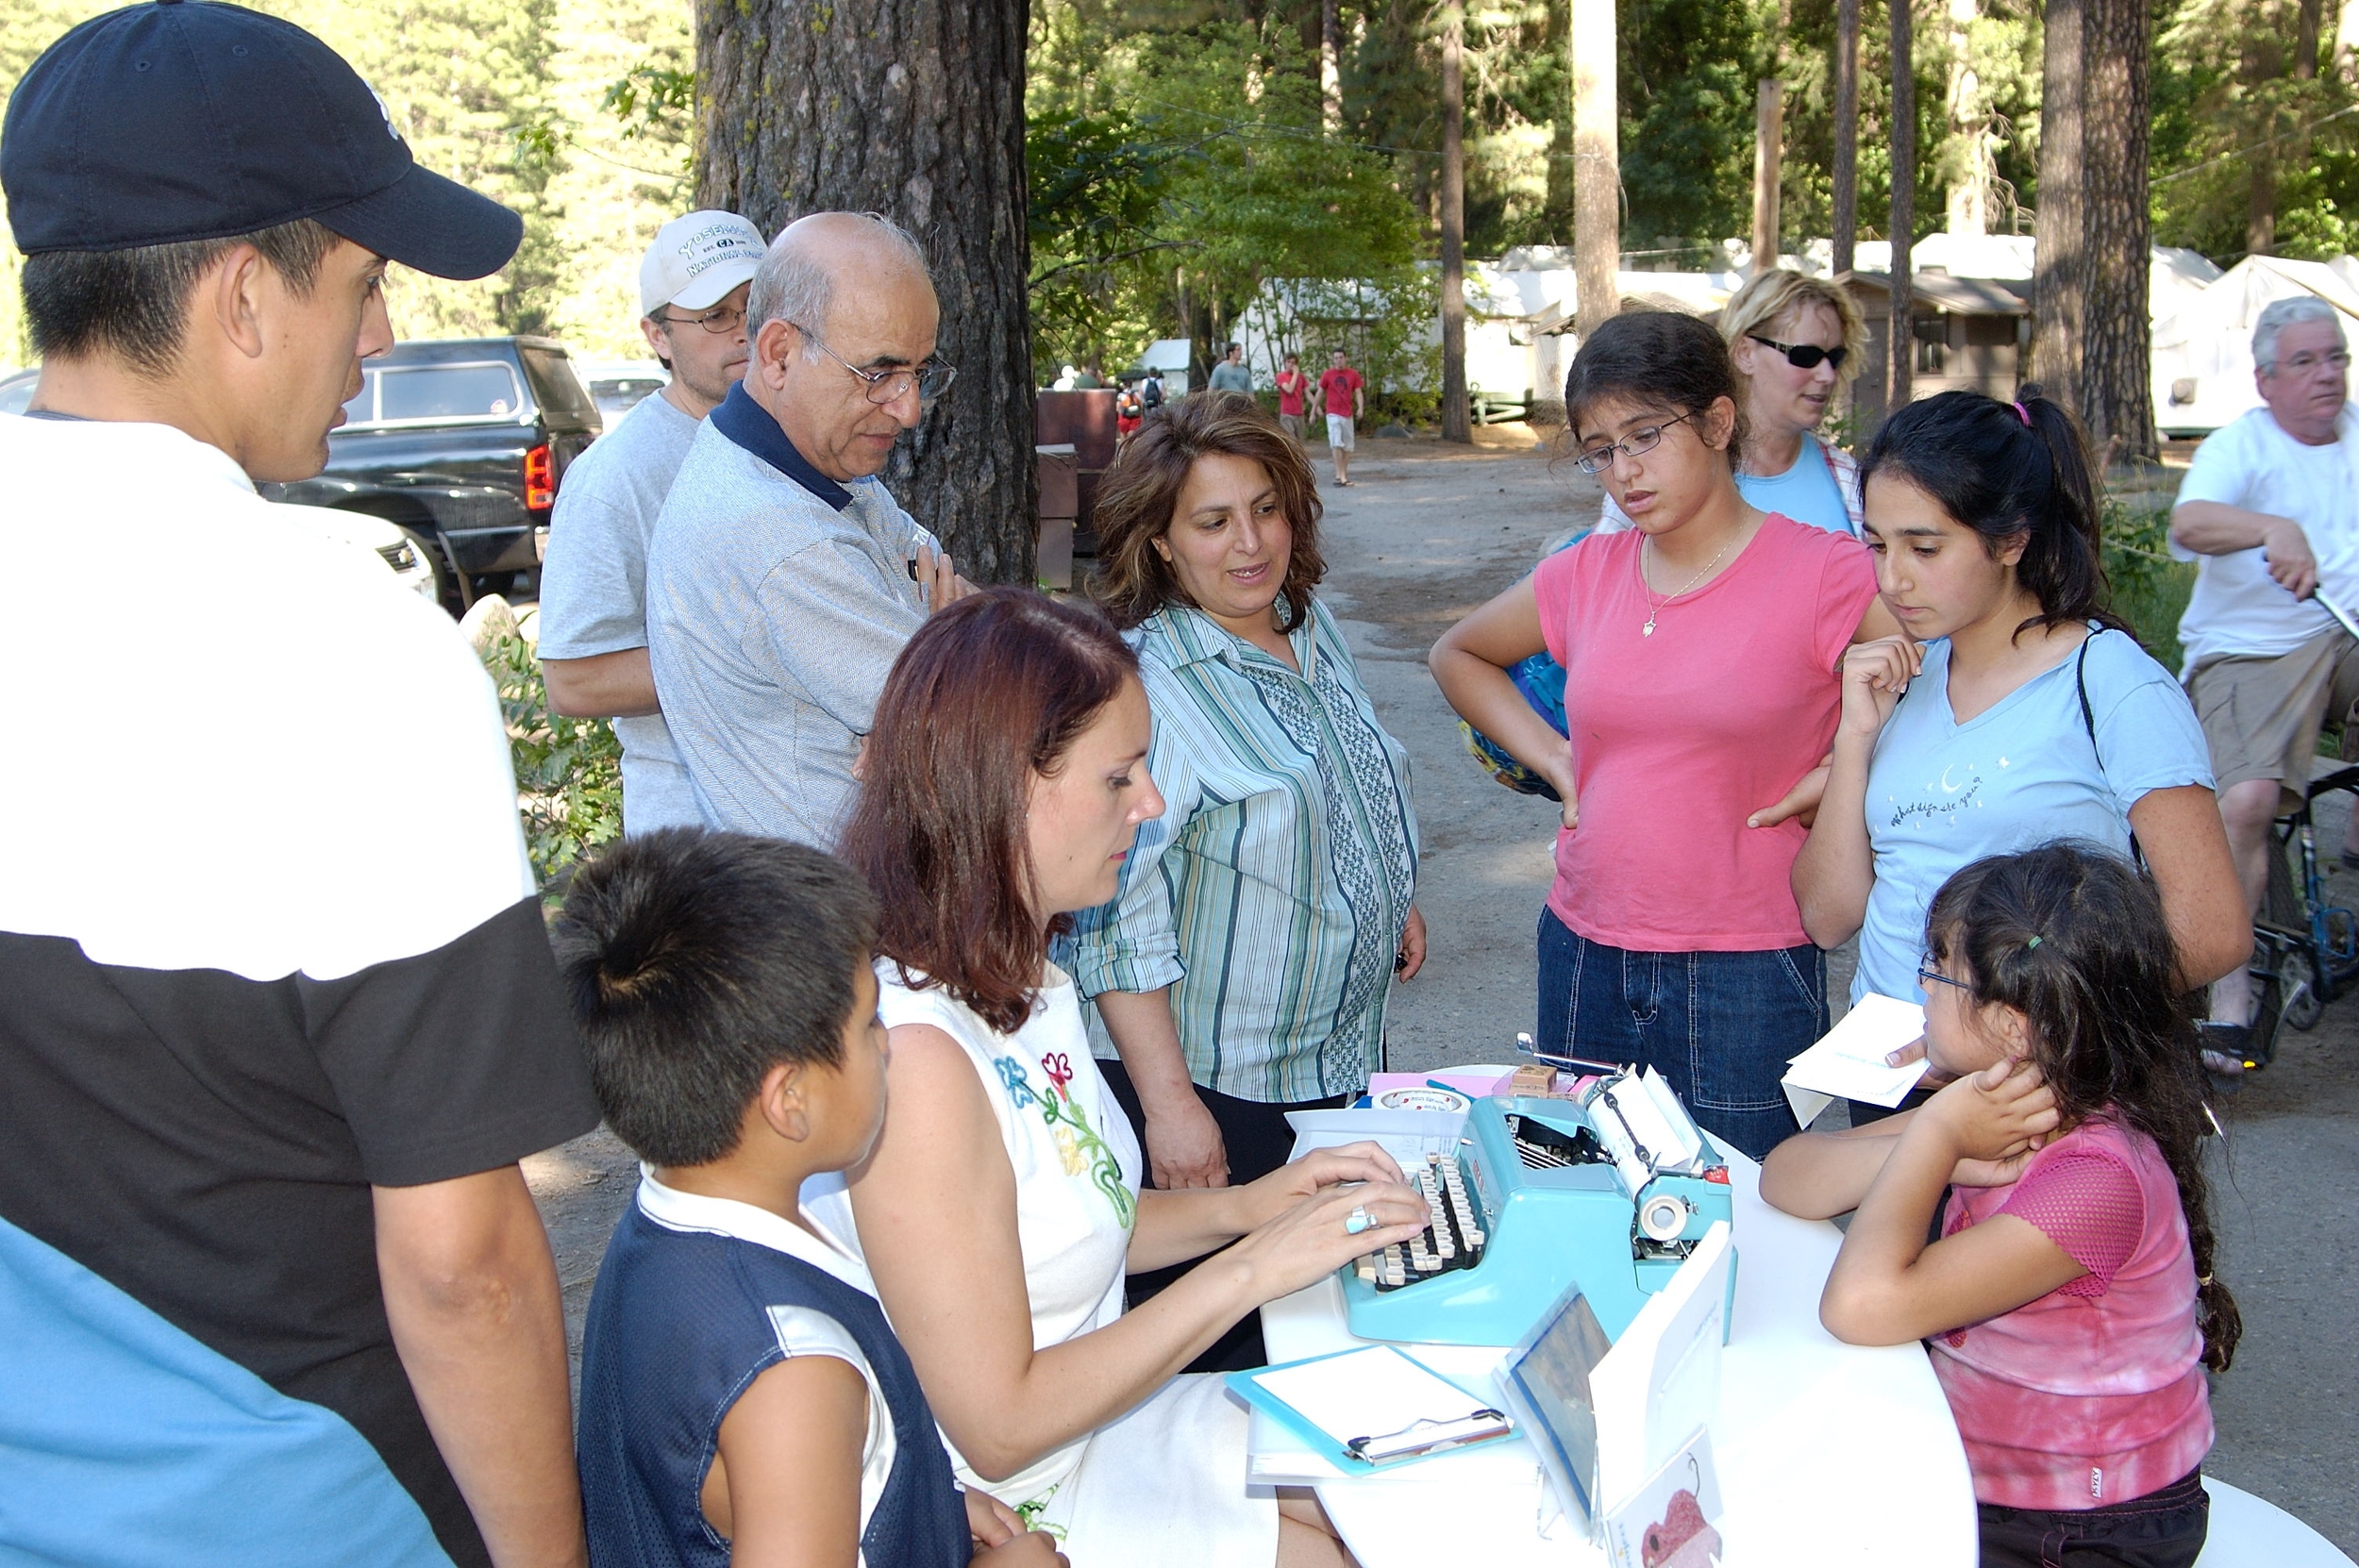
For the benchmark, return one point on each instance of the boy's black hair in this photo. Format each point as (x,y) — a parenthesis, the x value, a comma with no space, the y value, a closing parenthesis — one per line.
(2072,937)
(697,962)
(135,303)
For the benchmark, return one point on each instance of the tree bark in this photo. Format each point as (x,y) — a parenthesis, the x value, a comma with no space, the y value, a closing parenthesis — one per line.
(2060,281)
(1331,66)
(915,110)
(1768,150)
(2260,66)
(1456,424)
(1597,169)
(1845,133)
(2118,389)
(1902,332)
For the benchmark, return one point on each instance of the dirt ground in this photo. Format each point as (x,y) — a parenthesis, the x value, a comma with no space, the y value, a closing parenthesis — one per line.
(1423,535)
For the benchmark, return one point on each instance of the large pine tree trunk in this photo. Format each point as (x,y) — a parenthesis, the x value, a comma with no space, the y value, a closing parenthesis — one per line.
(914,109)
(1597,164)
(1901,372)
(2118,386)
(1845,132)
(2059,280)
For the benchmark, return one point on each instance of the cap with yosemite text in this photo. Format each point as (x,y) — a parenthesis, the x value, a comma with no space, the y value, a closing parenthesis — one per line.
(696,261)
(188,119)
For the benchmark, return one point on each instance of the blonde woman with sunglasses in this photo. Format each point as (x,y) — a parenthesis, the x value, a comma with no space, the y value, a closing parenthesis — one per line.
(1794,342)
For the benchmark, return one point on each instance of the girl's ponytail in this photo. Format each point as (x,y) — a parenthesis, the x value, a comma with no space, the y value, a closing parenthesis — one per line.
(2008,470)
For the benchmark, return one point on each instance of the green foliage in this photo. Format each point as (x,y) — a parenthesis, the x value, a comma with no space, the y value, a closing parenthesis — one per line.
(2151,589)
(2227,106)
(569,779)
(1178,163)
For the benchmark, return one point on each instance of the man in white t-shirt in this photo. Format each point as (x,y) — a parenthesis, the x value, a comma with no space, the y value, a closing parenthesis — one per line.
(693,284)
(2271,509)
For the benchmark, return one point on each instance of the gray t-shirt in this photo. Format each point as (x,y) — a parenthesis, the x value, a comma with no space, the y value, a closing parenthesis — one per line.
(774,615)
(594,587)
(1229,377)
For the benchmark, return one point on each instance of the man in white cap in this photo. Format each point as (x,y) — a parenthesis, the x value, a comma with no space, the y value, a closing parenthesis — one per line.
(593,627)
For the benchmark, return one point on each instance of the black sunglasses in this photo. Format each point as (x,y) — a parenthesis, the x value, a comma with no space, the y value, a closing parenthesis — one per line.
(1803,355)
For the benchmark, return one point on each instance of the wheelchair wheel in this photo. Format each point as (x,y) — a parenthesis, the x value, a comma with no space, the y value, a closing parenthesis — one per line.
(2299,1000)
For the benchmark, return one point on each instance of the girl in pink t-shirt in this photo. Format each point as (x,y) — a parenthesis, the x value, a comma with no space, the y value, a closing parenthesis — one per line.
(1700,651)
(2068,1303)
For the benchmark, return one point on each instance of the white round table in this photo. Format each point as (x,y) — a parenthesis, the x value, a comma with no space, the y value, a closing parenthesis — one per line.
(1827,1453)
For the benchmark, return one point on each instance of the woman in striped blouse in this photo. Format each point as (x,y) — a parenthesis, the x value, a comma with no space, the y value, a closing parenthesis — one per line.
(1243,969)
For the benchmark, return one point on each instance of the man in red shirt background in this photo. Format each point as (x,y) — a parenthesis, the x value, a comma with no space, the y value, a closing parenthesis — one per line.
(1342,397)
(1292,387)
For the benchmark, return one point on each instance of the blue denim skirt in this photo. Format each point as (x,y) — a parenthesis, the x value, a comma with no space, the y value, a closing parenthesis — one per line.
(1719,1026)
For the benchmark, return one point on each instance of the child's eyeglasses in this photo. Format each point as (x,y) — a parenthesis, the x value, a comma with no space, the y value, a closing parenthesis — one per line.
(1926,972)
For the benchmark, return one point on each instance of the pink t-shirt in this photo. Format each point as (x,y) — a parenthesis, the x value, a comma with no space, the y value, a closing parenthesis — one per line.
(2094,1393)
(1678,737)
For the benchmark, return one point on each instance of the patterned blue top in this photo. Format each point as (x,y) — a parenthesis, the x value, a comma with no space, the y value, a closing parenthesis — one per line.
(1272,894)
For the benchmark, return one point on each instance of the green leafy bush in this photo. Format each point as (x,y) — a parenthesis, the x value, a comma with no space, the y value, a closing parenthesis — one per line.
(2149,588)
(569,771)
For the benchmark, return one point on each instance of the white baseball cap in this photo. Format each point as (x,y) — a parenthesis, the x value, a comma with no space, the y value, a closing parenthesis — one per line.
(696,259)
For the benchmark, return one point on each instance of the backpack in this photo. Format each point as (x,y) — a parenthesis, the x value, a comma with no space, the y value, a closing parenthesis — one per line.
(1127,404)
(1151,391)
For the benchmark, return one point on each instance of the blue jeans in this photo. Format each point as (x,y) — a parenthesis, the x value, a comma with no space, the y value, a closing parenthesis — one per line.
(1719,1026)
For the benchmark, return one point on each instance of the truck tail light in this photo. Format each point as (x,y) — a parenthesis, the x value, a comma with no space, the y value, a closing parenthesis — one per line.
(540,479)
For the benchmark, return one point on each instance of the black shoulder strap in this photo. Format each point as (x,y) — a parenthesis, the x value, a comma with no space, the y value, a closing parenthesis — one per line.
(2088,721)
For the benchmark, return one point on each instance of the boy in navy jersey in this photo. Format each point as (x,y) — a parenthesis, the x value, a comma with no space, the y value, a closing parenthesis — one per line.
(742,1398)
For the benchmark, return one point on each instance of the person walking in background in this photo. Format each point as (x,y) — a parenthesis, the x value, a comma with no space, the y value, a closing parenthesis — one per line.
(1796,343)
(783,579)
(275,1289)
(2270,510)
(693,284)
(1700,651)
(1242,970)
(1231,374)
(1292,385)
(1342,396)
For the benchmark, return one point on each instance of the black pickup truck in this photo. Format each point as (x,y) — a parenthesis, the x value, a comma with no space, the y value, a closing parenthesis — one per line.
(460,443)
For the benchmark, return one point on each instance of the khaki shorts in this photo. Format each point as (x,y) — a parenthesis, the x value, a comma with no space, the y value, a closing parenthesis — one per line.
(1293,426)
(2261,717)
(1339,432)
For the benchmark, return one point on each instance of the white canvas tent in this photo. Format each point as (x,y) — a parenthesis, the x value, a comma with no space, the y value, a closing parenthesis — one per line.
(2203,349)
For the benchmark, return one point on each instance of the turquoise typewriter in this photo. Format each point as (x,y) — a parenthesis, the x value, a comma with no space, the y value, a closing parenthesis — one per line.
(1611,1190)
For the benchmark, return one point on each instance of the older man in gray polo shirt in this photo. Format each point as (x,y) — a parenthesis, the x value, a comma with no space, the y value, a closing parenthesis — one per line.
(783,580)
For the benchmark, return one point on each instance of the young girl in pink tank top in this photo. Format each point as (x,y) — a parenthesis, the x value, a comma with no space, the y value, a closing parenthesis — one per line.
(2068,1303)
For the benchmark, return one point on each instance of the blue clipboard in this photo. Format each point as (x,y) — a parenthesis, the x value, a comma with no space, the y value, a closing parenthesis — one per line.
(1370,1452)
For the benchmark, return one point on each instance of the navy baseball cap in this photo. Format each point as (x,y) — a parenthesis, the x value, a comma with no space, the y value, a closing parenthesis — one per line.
(188,119)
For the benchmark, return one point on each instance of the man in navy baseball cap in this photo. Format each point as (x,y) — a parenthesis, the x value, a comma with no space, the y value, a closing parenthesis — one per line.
(278,1016)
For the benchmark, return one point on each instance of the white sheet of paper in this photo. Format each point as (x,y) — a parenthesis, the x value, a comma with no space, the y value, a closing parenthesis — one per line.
(1662,1380)
(1848,1059)
(1370,1392)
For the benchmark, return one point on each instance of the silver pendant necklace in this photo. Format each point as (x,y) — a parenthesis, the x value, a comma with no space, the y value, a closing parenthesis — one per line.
(1654,606)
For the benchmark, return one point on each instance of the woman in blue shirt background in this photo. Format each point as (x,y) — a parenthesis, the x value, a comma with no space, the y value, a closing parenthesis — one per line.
(1968,736)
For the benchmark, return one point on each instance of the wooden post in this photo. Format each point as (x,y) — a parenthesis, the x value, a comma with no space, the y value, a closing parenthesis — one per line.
(1597,168)
(1769,148)
(1904,224)
(1456,424)
(1845,133)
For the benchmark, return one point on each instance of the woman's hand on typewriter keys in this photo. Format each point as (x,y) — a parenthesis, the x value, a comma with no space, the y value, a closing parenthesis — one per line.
(1309,1241)
(1259,1202)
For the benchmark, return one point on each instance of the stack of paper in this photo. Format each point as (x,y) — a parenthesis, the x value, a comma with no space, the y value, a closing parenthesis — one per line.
(1849,1060)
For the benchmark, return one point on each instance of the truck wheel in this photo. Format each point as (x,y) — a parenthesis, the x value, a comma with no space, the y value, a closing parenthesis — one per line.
(446,582)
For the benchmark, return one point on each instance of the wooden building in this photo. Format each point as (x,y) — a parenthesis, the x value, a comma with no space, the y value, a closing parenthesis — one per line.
(1970,332)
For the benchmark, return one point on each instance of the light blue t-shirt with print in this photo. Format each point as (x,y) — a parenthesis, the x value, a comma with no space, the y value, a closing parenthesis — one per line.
(1942,794)
(1806,491)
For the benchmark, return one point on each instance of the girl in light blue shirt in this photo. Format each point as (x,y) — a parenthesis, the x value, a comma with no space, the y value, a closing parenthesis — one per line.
(2014,709)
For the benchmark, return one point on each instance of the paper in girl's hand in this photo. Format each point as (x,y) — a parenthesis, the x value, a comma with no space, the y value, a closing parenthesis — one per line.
(1848,1060)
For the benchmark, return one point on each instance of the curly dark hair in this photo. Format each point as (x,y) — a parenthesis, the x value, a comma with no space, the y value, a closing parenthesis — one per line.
(2072,937)
(1138,495)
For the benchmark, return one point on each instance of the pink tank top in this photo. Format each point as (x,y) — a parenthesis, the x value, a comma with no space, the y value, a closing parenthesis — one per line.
(1679,736)
(2094,1393)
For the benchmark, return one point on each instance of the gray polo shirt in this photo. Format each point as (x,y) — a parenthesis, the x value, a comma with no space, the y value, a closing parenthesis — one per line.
(1229,377)
(776,602)
(594,587)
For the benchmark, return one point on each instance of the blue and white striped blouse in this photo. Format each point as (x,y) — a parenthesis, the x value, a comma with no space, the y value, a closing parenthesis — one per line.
(1272,894)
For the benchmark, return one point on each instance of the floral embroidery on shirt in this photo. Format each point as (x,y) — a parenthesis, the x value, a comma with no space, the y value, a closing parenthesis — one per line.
(1012,1079)
(1078,1142)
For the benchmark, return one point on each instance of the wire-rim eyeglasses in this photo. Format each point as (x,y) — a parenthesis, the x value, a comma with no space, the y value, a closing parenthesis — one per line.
(890,385)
